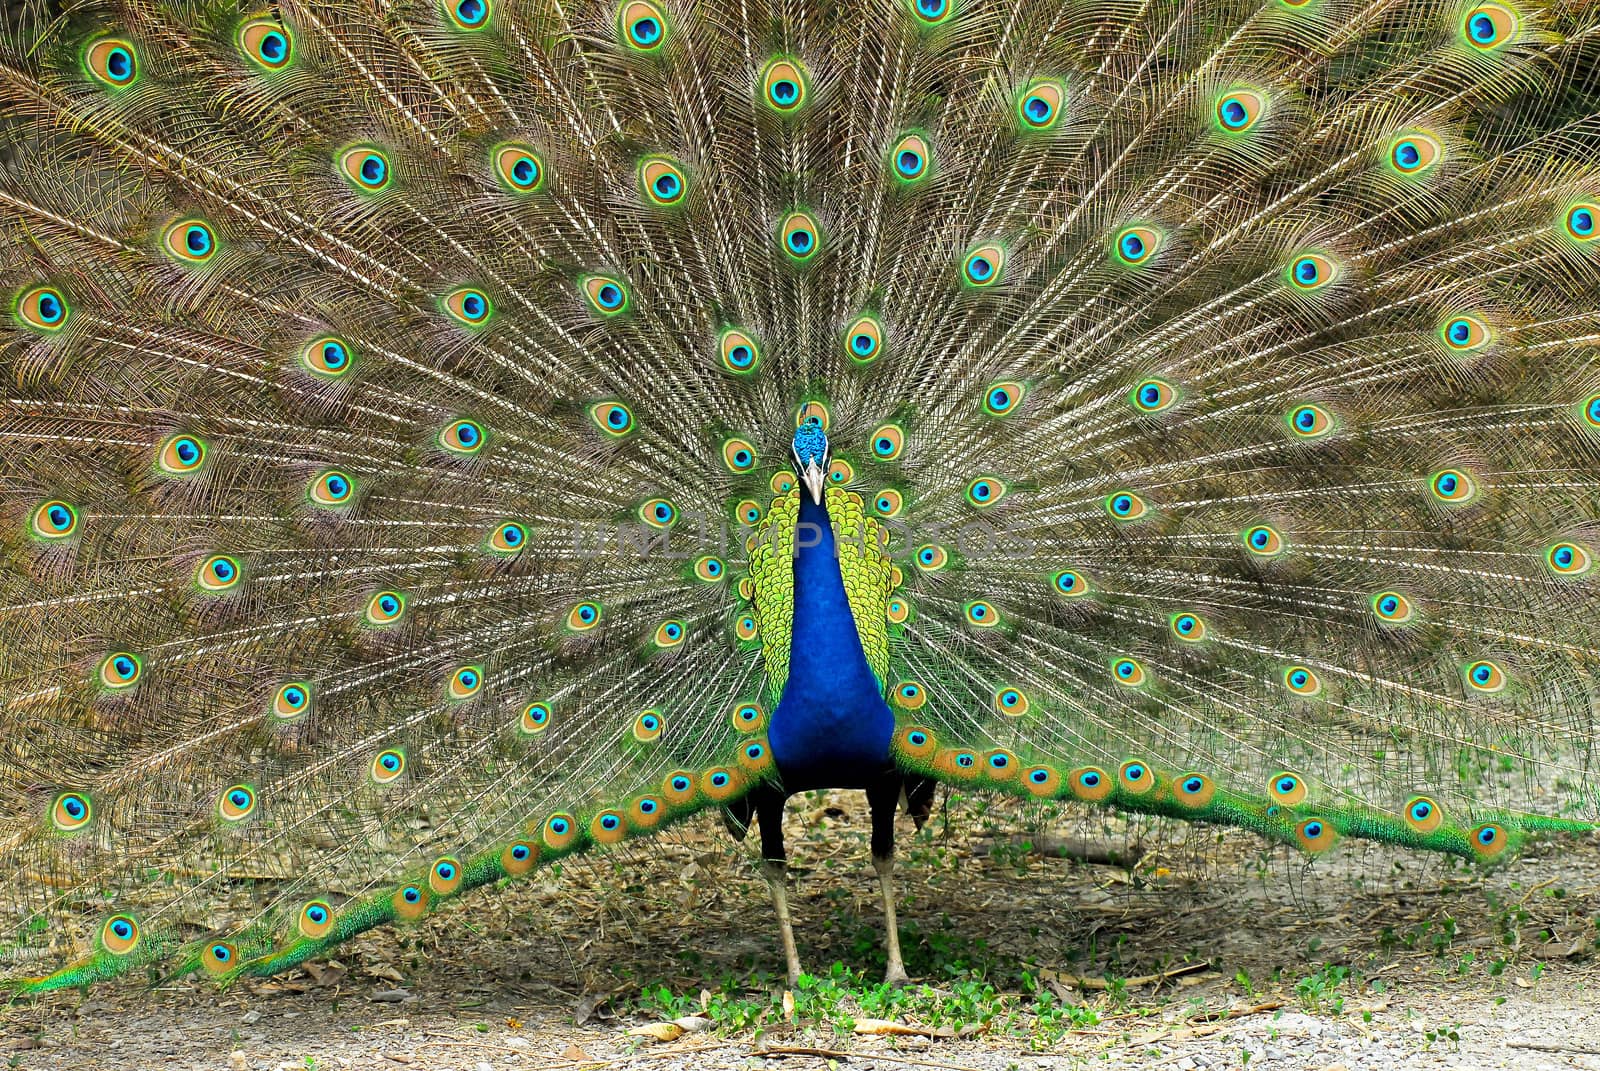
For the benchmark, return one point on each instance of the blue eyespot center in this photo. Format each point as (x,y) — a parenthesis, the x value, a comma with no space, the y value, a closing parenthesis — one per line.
(519,852)
(1286,785)
(1193,784)
(668,186)
(1420,810)
(471,12)
(412,894)
(646,31)
(1488,835)
(119,64)
(1313,830)
(1038,108)
(197,240)
(1090,779)
(980,268)
(610,295)
(1135,772)
(785,91)
(1234,113)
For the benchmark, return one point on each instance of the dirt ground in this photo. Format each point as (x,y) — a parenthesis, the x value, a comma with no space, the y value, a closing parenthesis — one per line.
(1210,951)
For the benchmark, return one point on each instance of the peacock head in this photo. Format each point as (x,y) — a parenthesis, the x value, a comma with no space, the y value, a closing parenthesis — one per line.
(811,455)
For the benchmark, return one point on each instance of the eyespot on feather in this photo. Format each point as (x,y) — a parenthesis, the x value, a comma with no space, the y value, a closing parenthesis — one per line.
(43,308)
(669,634)
(462,437)
(1392,608)
(1263,541)
(329,357)
(508,538)
(267,43)
(444,877)
(909,695)
(641,25)
(1042,782)
(365,167)
(721,783)
(559,831)
(663,181)
(1286,788)
(71,812)
(1413,153)
(112,62)
(584,616)
(608,827)
(1125,506)
(738,351)
(910,159)
(1485,676)
(331,489)
(931,558)
(54,520)
(120,934)
(1311,271)
(1423,814)
(1488,27)
(1193,790)
(799,236)
(535,718)
(888,440)
(316,920)
(464,683)
(470,15)
(1188,626)
(120,670)
(1463,334)
(518,167)
(917,741)
(1238,110)
(748,717)
(217,574)
(1070,583)
(410,902)
(468,306)
(605,294)
(1309,421)
(784,85)
(388,765)
(648,726)
(1153,396)
(1453,487)
(1091,784)
(236,803)
(519,858)
(1135,778)
(863,339)
(1315,835)
(385,608)
(1302,681)
(1489,840)
(1568,559)
(981,614)
(291,700)
(1011,701)
(181,455)
(985,491)
(1135,245)
(746,627)
(613,418)
(888,503)
(983,266)
(1039,106)
(190,240)
(219,957)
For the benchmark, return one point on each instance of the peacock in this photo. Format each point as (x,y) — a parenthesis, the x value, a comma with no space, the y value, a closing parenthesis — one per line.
(443,436)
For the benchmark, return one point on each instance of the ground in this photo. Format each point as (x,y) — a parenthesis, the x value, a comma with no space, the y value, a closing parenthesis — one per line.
(1039,939)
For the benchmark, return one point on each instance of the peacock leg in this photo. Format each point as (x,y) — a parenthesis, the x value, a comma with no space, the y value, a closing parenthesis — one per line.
(882,799)
(775,868)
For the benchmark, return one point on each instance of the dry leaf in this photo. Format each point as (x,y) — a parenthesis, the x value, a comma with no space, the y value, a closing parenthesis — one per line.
(883,1027)
(788,1004)
(658,1031)
(693,1024)
(576,1055)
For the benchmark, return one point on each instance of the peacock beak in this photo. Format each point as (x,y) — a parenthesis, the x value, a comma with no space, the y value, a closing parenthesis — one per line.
(813,476)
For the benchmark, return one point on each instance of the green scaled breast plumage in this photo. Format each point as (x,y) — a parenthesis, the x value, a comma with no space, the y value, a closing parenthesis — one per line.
(411,410)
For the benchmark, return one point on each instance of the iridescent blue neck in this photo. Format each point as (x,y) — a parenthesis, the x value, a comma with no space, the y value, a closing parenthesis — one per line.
(832,727)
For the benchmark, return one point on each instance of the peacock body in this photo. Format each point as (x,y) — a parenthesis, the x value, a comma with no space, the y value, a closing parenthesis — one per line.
(444,437)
